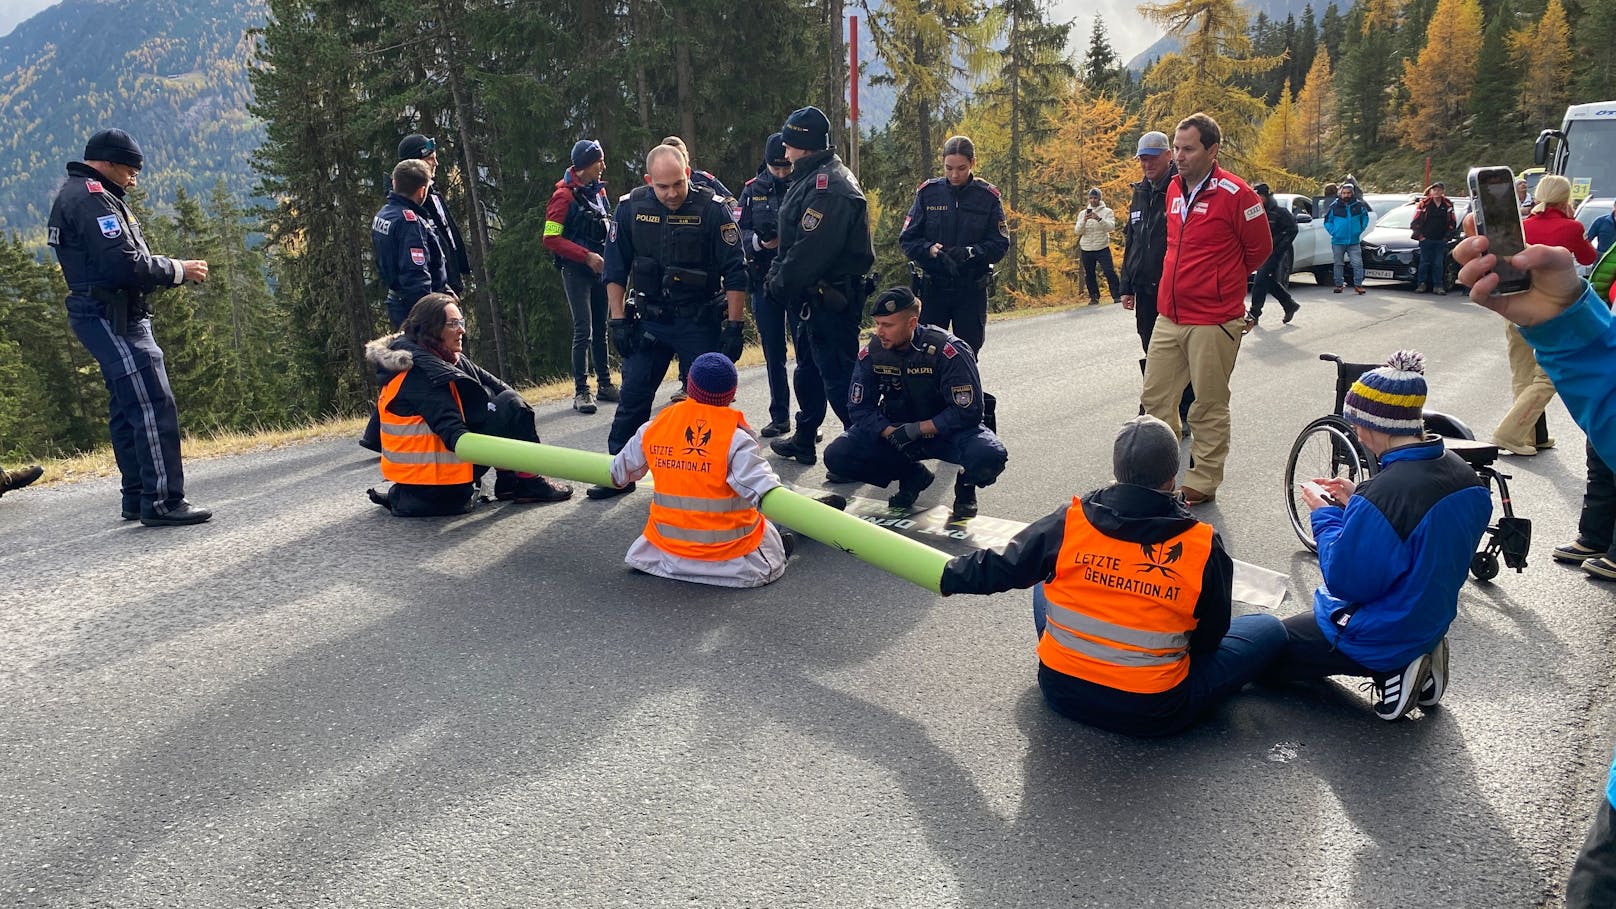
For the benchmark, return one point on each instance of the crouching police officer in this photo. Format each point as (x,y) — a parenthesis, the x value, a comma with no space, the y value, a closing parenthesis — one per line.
(915,395)
(680,250)
(821,270)
(955,232)
(110,273)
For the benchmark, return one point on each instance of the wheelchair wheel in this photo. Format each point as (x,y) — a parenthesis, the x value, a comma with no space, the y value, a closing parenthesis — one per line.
(1326,448)
(1484,565)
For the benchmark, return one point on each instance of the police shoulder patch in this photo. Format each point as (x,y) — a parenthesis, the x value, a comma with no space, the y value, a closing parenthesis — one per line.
(94,186)
(55,237)
(811,219)
(950,351)
(409,215)
(611,229)
(822,181)
(855,393)
(989,187)
(417,255)
(963,395)
(381,225)
(1254,212)
(730,233)
(110,228)
(1004,228)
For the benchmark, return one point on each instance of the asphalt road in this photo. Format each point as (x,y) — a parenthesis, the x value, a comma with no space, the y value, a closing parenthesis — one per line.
(308,702)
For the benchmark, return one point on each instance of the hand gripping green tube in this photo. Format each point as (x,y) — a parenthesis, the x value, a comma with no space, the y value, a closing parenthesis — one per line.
(908,559)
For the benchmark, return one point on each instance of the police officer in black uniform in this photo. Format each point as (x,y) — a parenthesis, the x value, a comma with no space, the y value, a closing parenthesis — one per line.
(404,238)
(679,249)
(916,395)
(954,234)
(822,271)
(1145,244)
(110,275)
(760,237)
(455,262)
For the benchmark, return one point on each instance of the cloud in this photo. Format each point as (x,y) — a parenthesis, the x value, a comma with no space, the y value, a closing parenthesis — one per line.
(1130,32)
(15,11)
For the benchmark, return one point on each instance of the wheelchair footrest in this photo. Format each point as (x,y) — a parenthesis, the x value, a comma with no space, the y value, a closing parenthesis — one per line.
(1513,539)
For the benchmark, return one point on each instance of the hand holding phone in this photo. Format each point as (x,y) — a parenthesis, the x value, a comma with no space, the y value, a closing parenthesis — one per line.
(1498,218)
(1320,493)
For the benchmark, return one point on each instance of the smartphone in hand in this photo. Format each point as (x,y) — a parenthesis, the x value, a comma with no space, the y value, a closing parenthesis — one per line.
(1498,217)
(1321,492)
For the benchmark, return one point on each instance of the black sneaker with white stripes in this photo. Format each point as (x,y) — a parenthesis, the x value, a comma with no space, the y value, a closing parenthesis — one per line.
(1395,693)
(1435,683)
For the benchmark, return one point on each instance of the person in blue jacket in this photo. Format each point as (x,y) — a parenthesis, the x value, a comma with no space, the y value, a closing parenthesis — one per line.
(409,258)
(1345,221)
(1394,551)
(1574,337)
(915,395)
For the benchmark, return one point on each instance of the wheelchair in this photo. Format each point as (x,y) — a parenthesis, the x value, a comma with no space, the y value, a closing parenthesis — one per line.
(1327,447)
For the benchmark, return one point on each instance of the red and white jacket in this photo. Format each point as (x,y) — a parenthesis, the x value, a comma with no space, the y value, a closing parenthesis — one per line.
(1210,252)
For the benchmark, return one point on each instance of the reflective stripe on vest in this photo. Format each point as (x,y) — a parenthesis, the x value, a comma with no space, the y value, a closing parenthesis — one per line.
(411,452)
(1119,614)
(695,513)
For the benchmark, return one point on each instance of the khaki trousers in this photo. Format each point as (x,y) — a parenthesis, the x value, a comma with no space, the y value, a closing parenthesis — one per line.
(1203,356)
(1533,392)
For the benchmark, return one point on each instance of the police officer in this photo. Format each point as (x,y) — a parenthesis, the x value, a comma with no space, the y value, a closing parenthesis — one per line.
(405,241)
(110,275)
(821,270)
(455,262)
(760,237)
(915,395)
(954,234)
(680,250)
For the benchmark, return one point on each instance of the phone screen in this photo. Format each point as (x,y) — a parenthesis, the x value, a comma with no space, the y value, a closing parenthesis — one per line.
(1499,218)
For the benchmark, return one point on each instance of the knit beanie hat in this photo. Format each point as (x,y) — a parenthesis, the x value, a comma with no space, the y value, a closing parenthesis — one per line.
(415,145)
(774,151)
(1145,453)
(712,380)
(116,146)
(586,152)
(1390,399)
(807,129)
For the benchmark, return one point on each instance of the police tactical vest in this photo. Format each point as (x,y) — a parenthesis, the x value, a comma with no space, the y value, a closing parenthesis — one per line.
(907,380)
(673,250)
(584,225)
(1121,613)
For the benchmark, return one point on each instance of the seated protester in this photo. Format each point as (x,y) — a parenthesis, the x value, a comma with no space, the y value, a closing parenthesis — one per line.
(1132,598)
(435,395)
(704,525)
(1394,556)
(17,479)
(916,395)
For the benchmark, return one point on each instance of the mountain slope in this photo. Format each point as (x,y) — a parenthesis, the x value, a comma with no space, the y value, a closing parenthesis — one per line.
(172,73)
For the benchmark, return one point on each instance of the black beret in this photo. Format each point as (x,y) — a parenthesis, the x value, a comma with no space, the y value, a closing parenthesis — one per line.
(892,301)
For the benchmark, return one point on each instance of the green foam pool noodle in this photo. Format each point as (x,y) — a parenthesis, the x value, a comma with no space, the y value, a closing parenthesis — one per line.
(911,560)
(531,457)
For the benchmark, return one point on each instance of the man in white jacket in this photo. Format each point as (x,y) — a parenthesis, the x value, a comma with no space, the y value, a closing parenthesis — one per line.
(1094,227)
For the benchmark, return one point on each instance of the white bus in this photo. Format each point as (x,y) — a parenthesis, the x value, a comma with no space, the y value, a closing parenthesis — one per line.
(1581,149)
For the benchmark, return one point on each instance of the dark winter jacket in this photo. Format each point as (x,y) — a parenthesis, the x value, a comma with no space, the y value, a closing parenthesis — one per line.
(1145,241)
(425,390)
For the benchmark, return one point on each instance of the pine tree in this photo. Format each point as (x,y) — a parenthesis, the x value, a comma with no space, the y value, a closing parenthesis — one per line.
(919,42)
(1595,36)
(1332,31)
(1440,81)
(1543,54)
(1307,47)
(1204,76)
(1102,69)
(1494,98)
(1363,89)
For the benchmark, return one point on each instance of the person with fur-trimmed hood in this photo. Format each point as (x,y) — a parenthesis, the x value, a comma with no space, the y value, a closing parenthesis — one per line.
(432,394)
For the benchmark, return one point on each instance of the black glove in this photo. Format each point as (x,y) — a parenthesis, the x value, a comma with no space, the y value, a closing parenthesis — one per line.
(625,336)
(960,254)
(947,263)
(905,435)
(730,340)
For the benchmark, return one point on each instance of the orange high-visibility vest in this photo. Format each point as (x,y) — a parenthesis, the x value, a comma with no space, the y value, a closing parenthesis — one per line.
(1120,613)
(695,514)
(411,451)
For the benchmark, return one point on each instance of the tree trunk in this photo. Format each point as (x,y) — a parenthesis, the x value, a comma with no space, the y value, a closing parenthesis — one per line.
(835,86)
(684,75)
(477,226)
(1013,76)
(642,82)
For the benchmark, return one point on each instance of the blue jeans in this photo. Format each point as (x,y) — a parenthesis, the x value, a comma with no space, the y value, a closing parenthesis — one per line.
(1354,255)
(143,420)
(1253,641)
(586,297)
(771,325)
(1433,264)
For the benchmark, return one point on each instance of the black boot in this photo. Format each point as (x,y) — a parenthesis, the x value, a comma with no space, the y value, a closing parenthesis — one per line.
(180,515)
(964,499)
(536,490)
(910,486)
(788,541)
(17,479)
(608,492)
(798,448)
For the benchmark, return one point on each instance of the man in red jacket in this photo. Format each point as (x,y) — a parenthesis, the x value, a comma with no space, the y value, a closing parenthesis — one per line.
(1217,234)
(575,233)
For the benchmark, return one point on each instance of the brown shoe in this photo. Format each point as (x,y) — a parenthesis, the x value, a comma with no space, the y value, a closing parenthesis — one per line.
(1193,496)
(1359,290)
(1338,288)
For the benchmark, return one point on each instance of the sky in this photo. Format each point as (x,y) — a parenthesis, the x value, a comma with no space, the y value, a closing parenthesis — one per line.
(1129,31)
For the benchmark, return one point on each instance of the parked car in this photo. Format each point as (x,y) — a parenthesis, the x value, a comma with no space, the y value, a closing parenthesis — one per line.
(1390,252)
(1381,203)
(1311,248)
(1592,208)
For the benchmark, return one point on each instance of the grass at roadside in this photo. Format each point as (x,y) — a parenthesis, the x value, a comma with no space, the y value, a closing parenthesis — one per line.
(100,463)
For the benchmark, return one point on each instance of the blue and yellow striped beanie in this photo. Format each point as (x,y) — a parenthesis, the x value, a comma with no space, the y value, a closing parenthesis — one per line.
(1391,398)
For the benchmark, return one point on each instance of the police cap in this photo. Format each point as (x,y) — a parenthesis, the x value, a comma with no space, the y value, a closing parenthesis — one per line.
(894,300)
(807,129)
